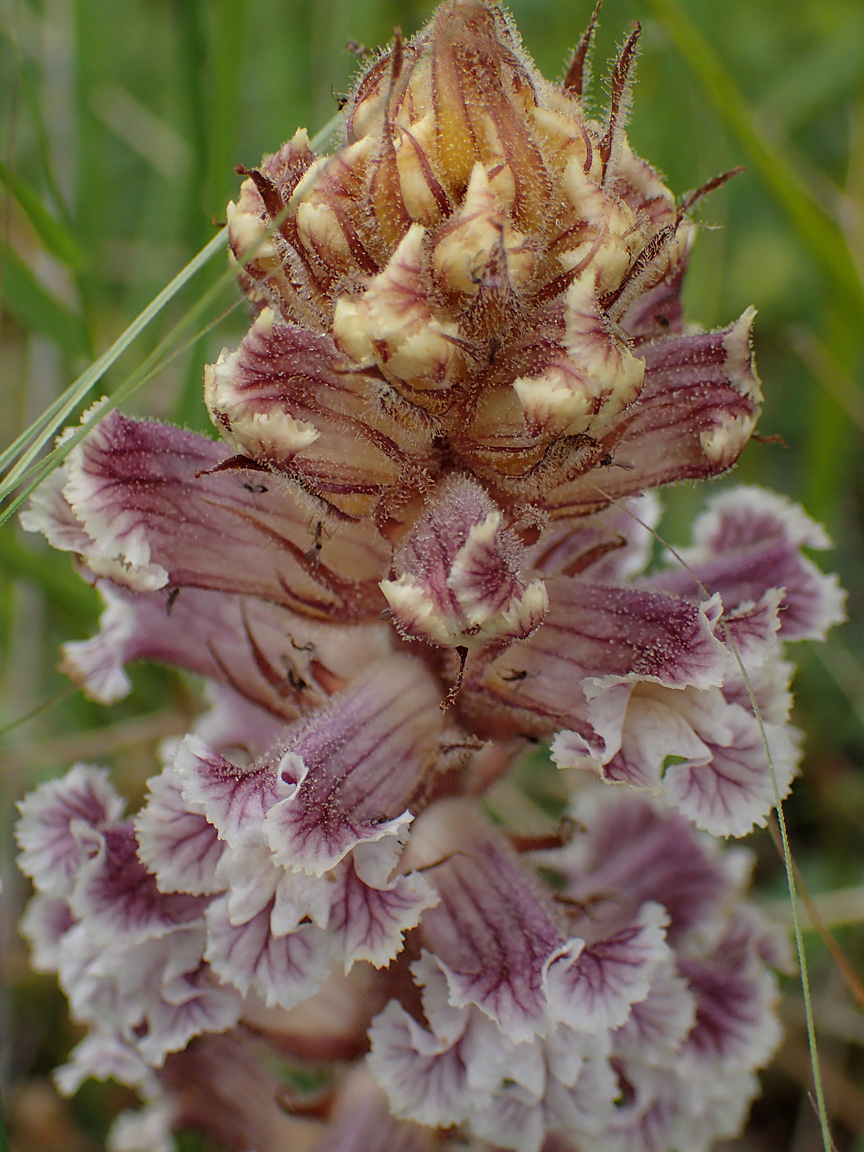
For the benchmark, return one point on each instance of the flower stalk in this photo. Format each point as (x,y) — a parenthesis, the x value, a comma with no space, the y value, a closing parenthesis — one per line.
(420,546)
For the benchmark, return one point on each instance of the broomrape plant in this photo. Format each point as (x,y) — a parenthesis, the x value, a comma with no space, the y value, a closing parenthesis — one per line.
(420,546)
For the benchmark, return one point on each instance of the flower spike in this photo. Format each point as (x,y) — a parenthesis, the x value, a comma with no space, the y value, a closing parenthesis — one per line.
(421,542)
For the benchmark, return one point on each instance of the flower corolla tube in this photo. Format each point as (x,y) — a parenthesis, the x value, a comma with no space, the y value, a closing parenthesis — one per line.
(421,546)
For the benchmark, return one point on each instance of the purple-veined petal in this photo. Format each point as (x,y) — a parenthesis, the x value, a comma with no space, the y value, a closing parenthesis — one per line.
(490,933)
(45,922)
(611,547)
(376,857)
(158,515)
(749,541)
(506,1091)
(656,1027)
(105,1056)
(736,1028)
(190,1004)
(446,1020)
(234,726)
(738,787)
(97,665)
(657,311)
(117,896)
(156,991)
(605,636)
(285,399)
(369,923)
(147,1129)
(633,851)
(283,970)
(176,842)
(770,684)
(87,971)
(716,1109)
(592,986)
(252,882)
(636,848)
(270,655)
(495,1064)
(579,1100)
(694,750)
(350,769)
(752,628)
(653,731)
(423,1075)
(301,899)
(458,574)
(511,1122)
(51,853)
(249,879)
(340,777)
(49,512)
(234,799)
(644,1118)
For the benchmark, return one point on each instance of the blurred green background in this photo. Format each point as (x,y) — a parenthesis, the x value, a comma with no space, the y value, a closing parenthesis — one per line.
(121,127)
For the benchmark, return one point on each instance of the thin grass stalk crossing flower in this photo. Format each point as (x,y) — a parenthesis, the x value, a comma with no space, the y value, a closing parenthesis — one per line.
(21,458)
(781,837)
(422,547)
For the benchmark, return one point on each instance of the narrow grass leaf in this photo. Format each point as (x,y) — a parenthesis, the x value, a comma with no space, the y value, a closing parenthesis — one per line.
(853,983)
(65,590)
(786,851)
(39,311)
(54,234)
(30,478)
(815,228)
(53,419)
(229,31)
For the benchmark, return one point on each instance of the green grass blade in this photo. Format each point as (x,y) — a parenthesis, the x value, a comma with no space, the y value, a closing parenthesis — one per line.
(52,420)
(66,591)
(155,363)
(31,92)
(786,851)
(55,416)
(218,29)
(229,30)
(39,311)
(326,134)
(53,233)
(788,864)
(815,228)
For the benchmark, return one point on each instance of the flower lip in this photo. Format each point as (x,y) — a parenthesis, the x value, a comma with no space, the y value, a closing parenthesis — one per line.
(459,580)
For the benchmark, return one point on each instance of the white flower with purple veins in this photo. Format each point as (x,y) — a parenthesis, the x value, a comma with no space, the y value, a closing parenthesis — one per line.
(421,546)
